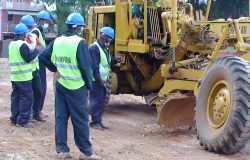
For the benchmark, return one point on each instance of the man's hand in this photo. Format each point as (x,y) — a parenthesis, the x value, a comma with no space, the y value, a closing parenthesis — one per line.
(56,75)
(102,84)
(39,48)
(119,58)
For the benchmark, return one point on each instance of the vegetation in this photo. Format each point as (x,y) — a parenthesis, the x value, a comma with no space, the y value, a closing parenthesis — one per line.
(220,8)
(64,8)
(223,8)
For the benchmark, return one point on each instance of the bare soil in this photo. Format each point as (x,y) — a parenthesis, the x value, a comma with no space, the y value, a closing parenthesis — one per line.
(134,134)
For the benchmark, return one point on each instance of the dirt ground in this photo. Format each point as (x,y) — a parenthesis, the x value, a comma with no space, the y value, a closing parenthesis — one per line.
(134,133)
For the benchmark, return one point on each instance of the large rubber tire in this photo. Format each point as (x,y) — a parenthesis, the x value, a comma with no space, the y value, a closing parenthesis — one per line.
(235,131)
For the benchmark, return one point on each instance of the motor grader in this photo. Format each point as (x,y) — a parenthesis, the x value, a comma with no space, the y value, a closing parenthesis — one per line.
(196,73)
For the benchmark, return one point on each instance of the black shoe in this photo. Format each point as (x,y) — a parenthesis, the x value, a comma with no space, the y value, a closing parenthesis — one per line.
(26,125)
(96,126)
(12,124)
(32,120)
(39,118)
(43,115)
(103,126)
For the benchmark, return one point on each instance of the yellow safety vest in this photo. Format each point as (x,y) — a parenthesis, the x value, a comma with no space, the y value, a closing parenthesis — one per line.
(104,65)
(20,70)
(35,65)
(64,58)
(42,40)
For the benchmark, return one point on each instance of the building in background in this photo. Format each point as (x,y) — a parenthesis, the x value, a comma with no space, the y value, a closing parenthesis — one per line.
(11,12)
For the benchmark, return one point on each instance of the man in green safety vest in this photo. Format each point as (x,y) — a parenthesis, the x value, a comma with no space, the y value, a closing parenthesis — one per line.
(33,42)
(69,56)
(20,58)
(101,62)
(43,24)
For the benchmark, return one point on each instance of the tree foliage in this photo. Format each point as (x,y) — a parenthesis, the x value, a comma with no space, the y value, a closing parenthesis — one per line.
(229,8)
(223,8)
(220,8)
(65,7)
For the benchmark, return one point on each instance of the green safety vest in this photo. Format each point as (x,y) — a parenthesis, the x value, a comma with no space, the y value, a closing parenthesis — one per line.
(158,4)
(155,3)
(104,65)
(64,58)
(42,40)
(35,65)
(20,70)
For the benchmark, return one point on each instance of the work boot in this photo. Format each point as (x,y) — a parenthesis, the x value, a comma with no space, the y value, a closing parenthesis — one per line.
(26,125)
(32,120)
(12,124)
(96,126)
(92,157)
(64,155)
(43,115)
(39,118)
(103,126)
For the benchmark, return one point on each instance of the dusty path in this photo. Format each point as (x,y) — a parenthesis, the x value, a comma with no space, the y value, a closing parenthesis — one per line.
(134,133)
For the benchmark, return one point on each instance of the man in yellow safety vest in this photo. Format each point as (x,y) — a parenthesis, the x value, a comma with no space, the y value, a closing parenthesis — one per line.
(101,62)
(69,56)
(43,23)
(20,58)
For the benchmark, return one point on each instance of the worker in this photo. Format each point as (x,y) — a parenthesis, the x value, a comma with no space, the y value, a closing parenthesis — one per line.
(69,56)
(20,57)
(101,62)
(33,42)
(43,24)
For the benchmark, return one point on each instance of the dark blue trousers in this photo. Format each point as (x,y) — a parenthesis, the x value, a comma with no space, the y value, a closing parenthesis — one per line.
(37,92)
(73,104)
(42,71)
(21,102)
(97,99)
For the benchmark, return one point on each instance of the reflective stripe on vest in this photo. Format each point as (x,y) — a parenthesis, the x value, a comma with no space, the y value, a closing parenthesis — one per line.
(64,58)
(104,65)
(20,70)
(42,40)
(32,46)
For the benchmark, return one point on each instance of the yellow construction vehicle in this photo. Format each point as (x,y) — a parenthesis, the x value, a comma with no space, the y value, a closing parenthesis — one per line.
(196,73)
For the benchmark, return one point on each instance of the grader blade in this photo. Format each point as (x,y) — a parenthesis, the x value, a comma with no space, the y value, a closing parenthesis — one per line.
(178,112)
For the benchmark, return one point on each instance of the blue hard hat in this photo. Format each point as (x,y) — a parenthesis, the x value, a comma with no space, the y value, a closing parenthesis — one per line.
(108,31)
(135,11)
(44,15)
(28,20)
(21,29)
(75,19)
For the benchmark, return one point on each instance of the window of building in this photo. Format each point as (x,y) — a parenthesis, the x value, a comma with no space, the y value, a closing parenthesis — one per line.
(10,17)
(9,0)
(19,1)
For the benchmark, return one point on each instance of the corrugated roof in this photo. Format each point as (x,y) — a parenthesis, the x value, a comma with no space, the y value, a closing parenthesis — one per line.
(22,13)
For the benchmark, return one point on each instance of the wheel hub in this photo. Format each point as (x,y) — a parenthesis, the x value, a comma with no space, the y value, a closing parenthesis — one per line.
(219,104)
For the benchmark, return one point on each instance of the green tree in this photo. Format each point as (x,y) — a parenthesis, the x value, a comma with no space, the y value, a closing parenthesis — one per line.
(229,8)
(64,8)
(222,8)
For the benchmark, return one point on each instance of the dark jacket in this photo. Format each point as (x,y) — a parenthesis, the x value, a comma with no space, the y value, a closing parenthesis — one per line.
(95,58)
(82,56)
